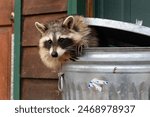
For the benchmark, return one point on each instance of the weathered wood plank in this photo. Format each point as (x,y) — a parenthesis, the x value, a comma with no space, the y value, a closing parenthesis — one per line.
(5,36)
(5,12)
(39,89)
(31,7)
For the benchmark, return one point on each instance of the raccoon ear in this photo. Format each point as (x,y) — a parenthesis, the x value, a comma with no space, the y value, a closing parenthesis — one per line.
(42,28)
(69,22)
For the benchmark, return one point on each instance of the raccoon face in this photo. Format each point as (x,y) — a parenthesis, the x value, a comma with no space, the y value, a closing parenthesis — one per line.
(60,36)
(56,45)
(56,38)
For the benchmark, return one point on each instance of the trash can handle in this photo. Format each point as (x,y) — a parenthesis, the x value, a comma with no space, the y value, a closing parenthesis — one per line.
(60,81)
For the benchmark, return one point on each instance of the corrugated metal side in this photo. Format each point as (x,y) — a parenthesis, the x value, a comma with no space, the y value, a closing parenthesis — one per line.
(121,86)
(128,78)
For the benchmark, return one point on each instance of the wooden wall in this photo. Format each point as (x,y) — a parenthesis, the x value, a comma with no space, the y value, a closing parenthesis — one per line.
(6,7)
(37,81)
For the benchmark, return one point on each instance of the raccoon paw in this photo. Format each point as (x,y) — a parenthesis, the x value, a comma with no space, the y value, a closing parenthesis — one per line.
(73,57)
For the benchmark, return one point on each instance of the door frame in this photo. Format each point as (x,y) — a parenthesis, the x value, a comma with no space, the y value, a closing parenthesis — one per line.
(17,49)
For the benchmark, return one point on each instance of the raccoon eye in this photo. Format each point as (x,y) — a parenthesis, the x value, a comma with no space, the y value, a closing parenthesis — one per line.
(49,41)
(65,42)
(61,39)
(47,44)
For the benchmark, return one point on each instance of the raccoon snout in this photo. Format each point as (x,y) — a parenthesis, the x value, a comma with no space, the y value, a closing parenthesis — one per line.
(54,54)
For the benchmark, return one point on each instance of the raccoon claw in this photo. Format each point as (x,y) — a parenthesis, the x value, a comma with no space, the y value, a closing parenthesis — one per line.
(74,59)
(80,50)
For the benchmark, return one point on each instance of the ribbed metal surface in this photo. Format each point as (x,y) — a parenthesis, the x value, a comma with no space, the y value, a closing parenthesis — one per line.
(127,71)
(121,86)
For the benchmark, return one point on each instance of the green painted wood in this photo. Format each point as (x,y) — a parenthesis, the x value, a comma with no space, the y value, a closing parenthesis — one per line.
(81,7)
(17,45)
(98,8)
(76,7)
(72,7)
(127,10)
(140,9)
(123,10)
(112,9)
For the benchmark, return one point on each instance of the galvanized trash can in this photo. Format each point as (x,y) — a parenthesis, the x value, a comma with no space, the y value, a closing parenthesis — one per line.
(110,73)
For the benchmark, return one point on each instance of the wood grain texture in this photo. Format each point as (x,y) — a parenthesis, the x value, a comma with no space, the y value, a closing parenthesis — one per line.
(43,6)
(38,89)
(89,8)
(32,66)
(31,35)
(37,81)
(5,12)
(5,35)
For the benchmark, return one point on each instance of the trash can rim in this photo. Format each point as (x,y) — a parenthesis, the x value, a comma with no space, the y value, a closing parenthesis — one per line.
(120,25)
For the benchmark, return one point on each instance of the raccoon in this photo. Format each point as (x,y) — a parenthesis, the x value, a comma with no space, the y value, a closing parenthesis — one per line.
(63,40)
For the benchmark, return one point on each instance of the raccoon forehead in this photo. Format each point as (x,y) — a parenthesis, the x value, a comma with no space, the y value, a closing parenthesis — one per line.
(54,35)
(65,36)
(50,36)
(57,35)
(54,24)
(47,37)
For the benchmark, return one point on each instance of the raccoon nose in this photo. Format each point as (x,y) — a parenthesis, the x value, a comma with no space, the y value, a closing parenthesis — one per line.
(54,54)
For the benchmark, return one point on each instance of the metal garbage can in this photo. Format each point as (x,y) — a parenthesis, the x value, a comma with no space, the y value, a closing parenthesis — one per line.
(111,73)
